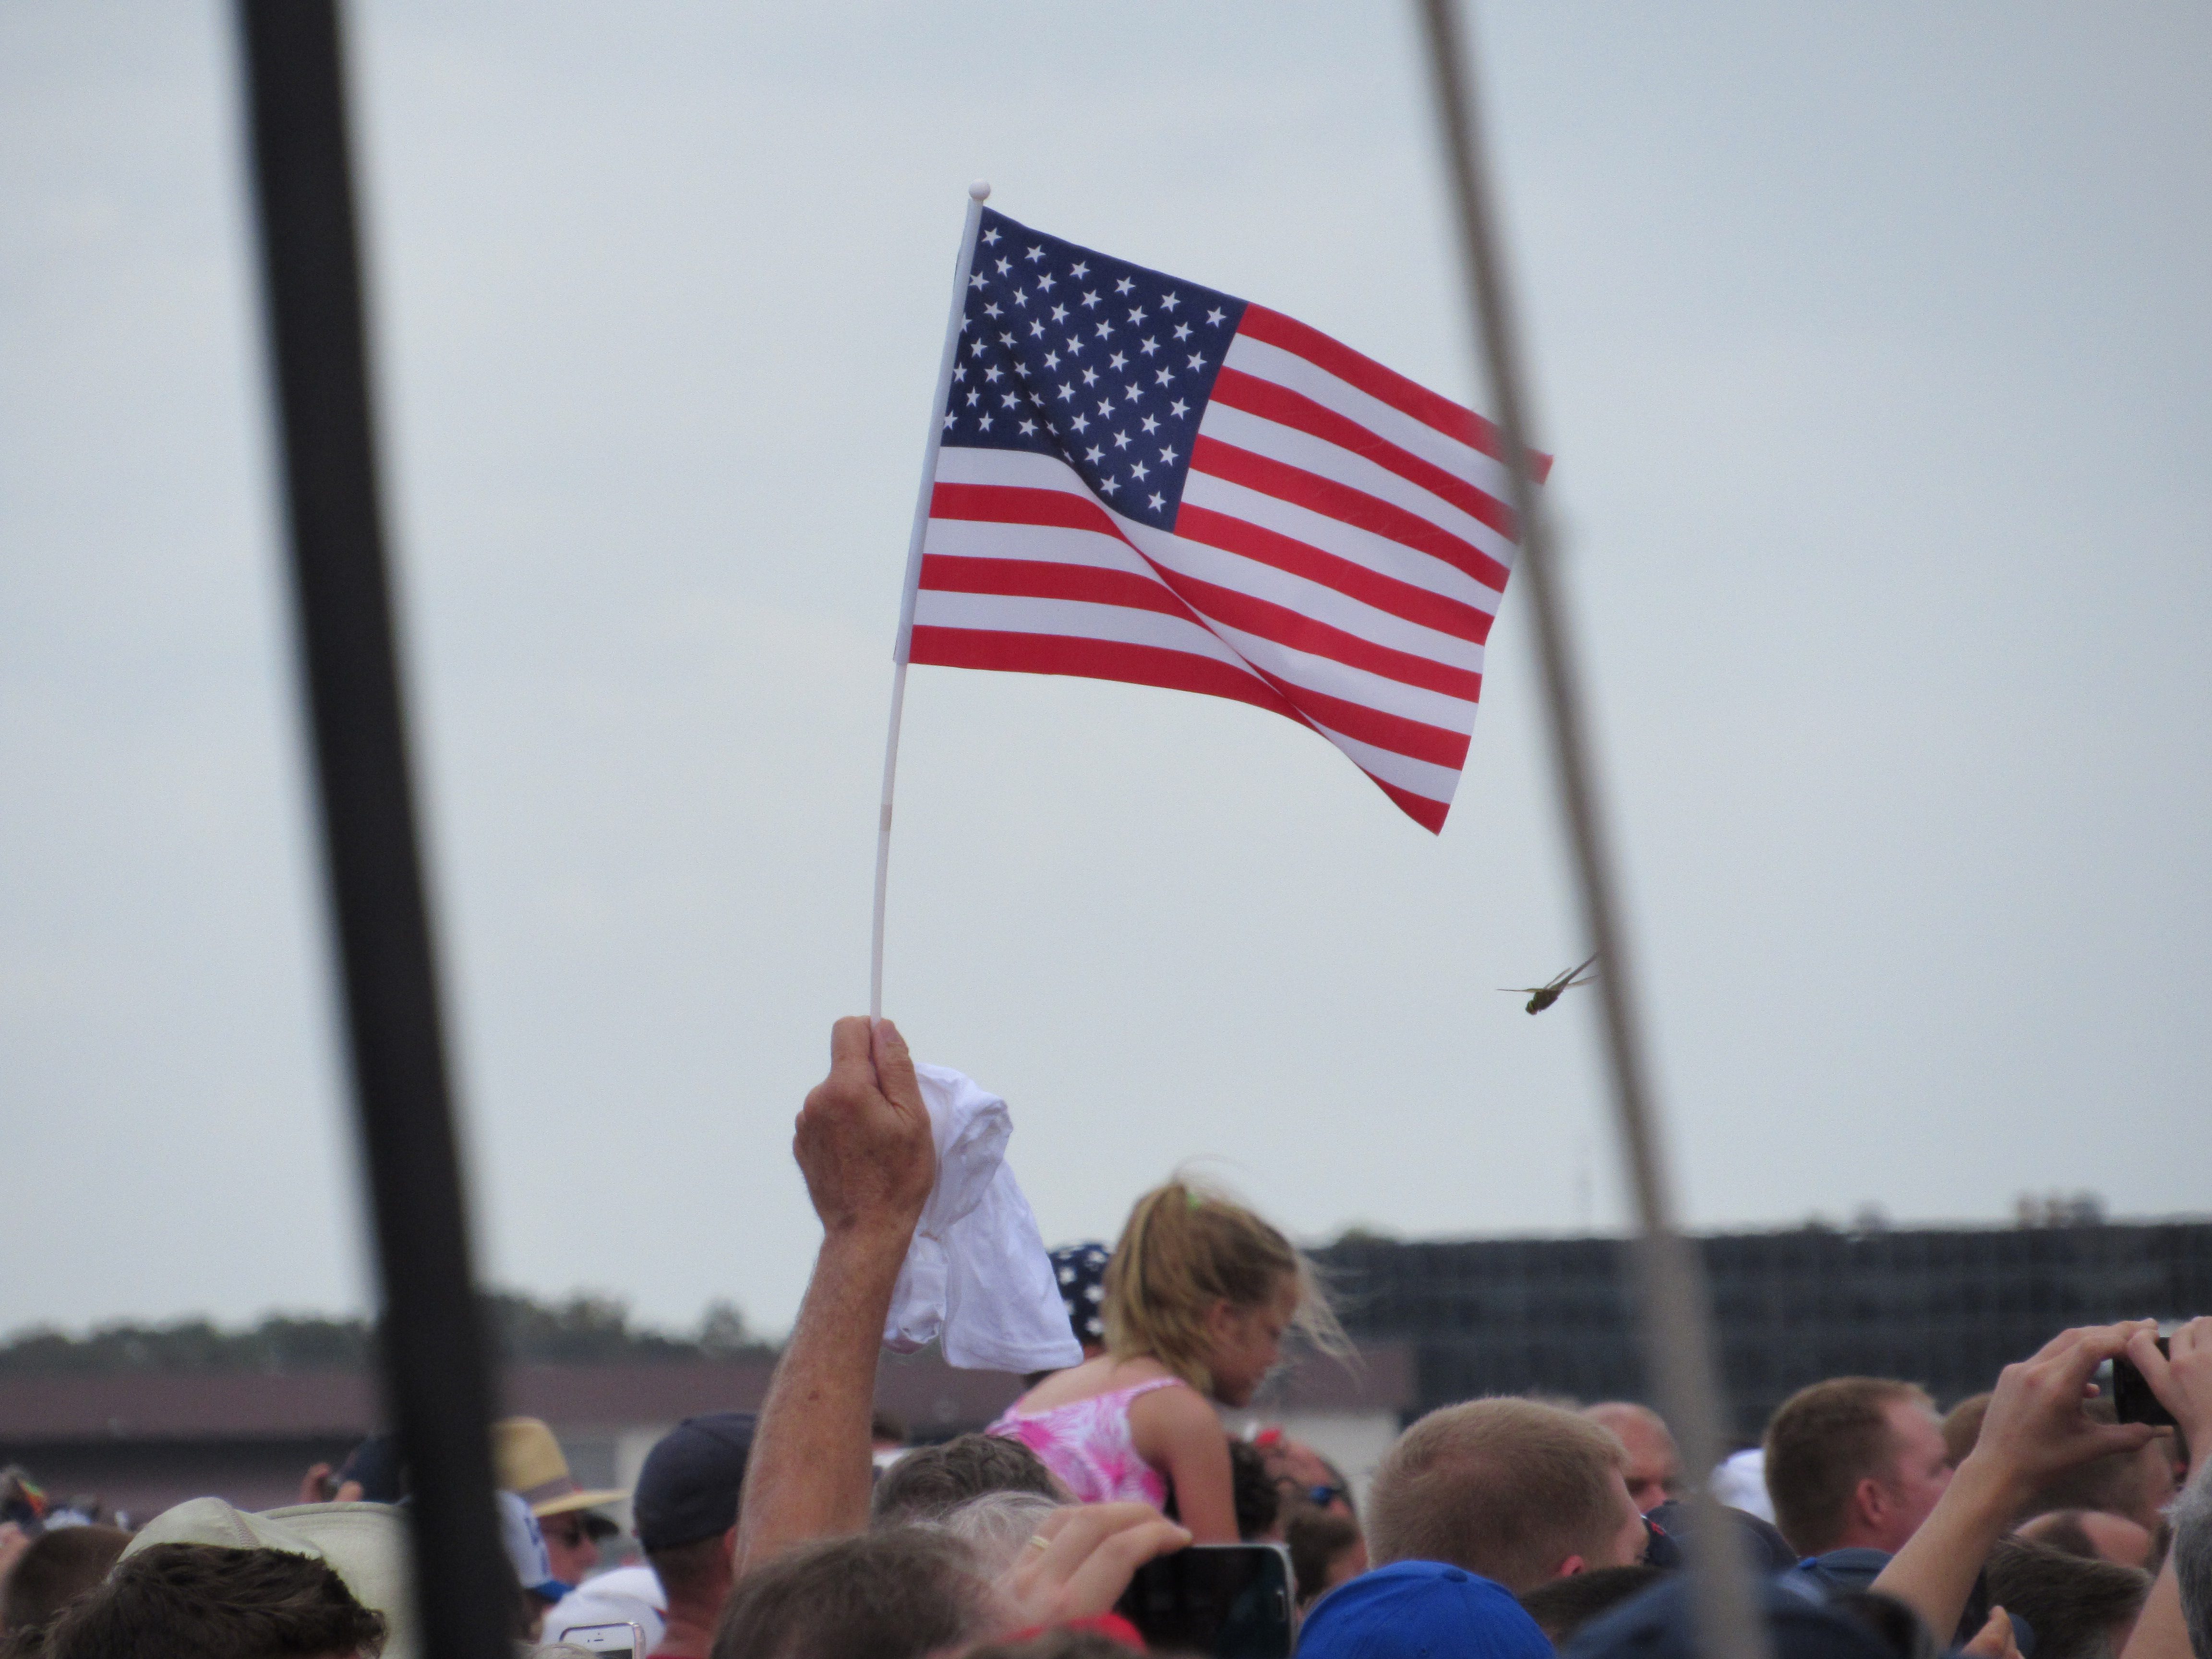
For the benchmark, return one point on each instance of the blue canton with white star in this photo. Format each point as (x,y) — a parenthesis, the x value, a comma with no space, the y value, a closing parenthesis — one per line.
(1104,364)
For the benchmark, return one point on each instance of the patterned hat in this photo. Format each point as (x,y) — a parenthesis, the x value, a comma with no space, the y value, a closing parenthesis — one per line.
(1081,1271)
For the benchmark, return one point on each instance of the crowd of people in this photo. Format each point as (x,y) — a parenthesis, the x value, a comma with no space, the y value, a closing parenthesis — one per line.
(2027,1522)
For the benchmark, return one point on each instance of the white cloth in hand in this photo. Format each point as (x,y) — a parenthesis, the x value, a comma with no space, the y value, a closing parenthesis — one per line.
(977,1275)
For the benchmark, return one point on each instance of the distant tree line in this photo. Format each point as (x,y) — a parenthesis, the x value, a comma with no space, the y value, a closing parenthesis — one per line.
(582,1329)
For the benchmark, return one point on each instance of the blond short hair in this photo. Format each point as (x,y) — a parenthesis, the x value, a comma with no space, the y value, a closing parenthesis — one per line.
(1187,1247)
(1820,1442)
(1508,1488)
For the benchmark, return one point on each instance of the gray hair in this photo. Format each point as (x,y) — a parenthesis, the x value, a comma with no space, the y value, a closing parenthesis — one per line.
(2192,1554)
(997,1525)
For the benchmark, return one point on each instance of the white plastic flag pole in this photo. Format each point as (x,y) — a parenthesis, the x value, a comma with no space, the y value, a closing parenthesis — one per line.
(978,193)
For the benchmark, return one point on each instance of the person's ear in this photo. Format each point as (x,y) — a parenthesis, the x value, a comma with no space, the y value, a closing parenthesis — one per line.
(1220,1319)
(1870,1501)
(1570,1566)
(730,1543)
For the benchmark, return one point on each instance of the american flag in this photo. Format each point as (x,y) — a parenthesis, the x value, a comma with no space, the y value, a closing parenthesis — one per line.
(1141,479)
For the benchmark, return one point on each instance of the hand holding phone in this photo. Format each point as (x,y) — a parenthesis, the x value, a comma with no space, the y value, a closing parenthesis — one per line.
(1081,1558)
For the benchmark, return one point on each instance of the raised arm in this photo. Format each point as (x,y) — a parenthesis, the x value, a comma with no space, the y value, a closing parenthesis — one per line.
(2184,1382)
(864,1145)
(2035,1428)
(1176,1432)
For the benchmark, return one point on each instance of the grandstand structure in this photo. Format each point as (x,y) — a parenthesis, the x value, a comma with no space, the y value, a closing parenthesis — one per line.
(1946,1307)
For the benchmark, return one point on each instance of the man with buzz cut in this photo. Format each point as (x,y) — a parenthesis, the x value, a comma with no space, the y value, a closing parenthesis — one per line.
(1516,1491)
(1654,1465)
(1855,1463)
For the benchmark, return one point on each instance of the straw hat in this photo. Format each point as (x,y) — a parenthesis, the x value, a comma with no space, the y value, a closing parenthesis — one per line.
(526,1460)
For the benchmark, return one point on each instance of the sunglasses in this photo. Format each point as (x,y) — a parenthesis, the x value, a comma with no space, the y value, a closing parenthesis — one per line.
(572,1530)
(1320,1496)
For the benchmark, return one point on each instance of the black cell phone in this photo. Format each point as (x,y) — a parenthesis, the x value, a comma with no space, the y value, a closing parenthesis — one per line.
(2132,1398)
(1233,1600)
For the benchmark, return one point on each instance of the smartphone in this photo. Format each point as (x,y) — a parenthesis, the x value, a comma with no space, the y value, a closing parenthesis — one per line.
(618,1641)
(1233,1600)
(2132,1400)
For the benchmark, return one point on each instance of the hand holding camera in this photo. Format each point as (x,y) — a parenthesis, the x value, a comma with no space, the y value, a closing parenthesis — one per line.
(2177,1372)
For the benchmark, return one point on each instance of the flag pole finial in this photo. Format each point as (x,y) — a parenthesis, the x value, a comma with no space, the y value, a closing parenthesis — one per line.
(980,190)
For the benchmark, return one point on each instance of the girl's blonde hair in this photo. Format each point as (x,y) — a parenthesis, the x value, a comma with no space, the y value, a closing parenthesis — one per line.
(1187,1247)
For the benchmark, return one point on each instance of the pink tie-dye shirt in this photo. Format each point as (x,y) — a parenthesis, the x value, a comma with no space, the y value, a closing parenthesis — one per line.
(1086,1444)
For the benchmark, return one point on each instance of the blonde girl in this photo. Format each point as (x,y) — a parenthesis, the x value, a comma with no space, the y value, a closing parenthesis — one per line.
(1199,1296)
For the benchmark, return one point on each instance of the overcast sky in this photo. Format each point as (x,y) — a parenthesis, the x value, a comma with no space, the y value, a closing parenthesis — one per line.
(1873,343)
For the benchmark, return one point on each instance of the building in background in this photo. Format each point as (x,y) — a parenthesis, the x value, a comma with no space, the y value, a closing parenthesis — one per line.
(1946,1308)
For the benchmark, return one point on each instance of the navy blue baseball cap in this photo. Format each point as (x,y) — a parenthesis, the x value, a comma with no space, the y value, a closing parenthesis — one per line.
(1764,1546)
(376,1464)
(1660,1624)
(1414,1609)
(688,1489)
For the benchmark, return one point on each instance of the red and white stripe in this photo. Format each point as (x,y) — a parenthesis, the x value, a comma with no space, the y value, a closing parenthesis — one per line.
(1342,547)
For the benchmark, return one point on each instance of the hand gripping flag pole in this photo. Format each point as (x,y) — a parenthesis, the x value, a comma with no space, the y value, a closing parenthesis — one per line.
(978,193)
(1672,1297)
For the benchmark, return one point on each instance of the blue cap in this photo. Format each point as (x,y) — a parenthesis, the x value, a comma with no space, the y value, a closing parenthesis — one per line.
(376,1464)
(524,1543)
(1413,1609)
(1672,1522)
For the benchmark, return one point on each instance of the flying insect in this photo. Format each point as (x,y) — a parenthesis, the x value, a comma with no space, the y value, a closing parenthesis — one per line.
(1541,997)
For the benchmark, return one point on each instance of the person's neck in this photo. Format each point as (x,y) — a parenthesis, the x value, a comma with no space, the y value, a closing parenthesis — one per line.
(690,1632)
(1863,1537)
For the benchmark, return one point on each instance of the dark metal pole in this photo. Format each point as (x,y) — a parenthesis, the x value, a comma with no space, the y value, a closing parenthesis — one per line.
(437,1384)
(1674,1312)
